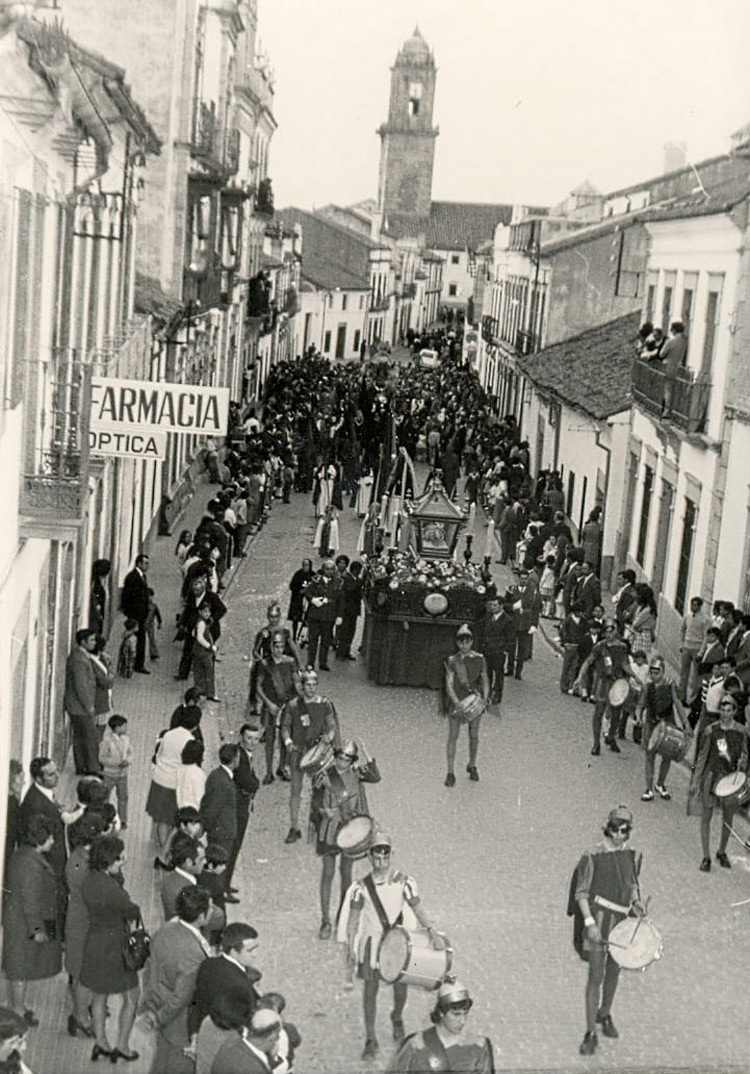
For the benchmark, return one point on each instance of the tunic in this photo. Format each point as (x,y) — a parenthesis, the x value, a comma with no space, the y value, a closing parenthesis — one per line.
(607,876)
(421,1054)
(469,671)
(713,762)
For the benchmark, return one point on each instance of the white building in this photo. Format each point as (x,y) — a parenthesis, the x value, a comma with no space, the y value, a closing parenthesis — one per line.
(686,492)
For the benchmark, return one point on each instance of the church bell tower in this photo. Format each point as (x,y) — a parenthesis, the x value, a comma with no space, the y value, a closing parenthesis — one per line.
(407,151)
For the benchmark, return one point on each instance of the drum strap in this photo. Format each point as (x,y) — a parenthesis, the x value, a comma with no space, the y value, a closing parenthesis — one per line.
(379,908)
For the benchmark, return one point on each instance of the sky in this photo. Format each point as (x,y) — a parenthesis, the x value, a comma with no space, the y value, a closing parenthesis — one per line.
(532,97)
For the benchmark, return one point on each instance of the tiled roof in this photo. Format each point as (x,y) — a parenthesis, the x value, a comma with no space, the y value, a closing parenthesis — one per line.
(150,298)
(452,225)
(332,256)
(590,372)
(718,198)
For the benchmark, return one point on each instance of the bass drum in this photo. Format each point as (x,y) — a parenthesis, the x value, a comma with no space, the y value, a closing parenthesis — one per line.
(317,758)
(634,943)
(353,838)
(733,791)
(669,741)
(406,957)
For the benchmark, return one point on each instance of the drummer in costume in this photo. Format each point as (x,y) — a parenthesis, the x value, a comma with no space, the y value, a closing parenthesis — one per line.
(278,682)
(383,898)
(305,721)
(659,704)
(338,797)
(722,749)
(467,691)
(610,659)
(446,1045)
(603,893)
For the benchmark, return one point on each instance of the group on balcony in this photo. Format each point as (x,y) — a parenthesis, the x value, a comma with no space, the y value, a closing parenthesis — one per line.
(667,380)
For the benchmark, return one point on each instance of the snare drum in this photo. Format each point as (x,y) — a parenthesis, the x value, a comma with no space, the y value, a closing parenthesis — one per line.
(669,741)
(353,838)
(618,692)
(733,791)
(406,957)
(469,708)
(317,758)
(634,943)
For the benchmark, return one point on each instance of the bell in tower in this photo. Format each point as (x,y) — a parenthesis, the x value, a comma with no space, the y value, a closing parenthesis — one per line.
(407,152)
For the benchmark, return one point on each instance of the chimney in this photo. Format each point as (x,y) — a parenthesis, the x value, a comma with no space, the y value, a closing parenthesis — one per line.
(675,157)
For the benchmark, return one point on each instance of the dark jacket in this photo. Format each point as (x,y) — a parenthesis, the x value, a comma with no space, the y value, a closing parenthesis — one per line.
(134,599)
(350,597)
(35,802)
(80,684)
(219,808)
(495,635)
(216,976)
(319,587)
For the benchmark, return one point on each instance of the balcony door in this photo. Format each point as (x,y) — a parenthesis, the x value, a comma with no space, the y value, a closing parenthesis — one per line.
(663,530)
(341,341)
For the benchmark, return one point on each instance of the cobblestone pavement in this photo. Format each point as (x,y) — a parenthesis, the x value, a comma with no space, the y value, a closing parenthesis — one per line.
(492,859)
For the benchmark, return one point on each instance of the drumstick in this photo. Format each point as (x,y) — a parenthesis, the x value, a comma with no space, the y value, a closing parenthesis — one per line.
(737,837)
(640,919)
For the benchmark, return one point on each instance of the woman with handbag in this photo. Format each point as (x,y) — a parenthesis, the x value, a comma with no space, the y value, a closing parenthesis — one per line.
(338,797)
(32,944)
(106,959)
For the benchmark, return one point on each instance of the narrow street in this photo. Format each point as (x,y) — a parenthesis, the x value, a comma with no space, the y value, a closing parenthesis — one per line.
(492,860)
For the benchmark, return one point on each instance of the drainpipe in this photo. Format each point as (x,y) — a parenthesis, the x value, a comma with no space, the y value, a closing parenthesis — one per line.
(608,453)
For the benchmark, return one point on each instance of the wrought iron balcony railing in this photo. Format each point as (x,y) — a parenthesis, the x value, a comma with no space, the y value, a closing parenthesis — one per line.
(682,400)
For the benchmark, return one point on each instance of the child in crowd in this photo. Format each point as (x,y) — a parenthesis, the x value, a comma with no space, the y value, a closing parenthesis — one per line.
(153,620)
(547,584)
(187,819)
(115,753)
(126,652)
(184,545)
(282,1059)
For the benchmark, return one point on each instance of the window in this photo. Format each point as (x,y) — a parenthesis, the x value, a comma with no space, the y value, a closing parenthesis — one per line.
(415,97)
(686,553)
(361,302)
(355,344)
(650,311)
(670,279)
(715,285)
(571,494)
(648,488)
(455,259)
(689,287)
(344,301)
(327,342)
(453,289)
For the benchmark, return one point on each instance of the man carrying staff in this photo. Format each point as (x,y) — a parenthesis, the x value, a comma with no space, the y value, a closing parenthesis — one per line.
(467,691)
(604,892)
(383,898)
(304,722)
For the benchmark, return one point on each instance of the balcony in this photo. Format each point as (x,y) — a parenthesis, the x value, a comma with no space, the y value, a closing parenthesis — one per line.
(256,85)
(690,398)
(203,143)
(232,150)
(54,484)
(525,342)
(489,329)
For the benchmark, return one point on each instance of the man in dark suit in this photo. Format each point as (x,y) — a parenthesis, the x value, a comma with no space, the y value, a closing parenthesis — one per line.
(40,799)
(177,952)
(79,701)
(587,593)
(247,784)
(527,605)
(219,806)
(322,595)
(232,970)
(350,606)
(188,857)
(496,641)
(134,605)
